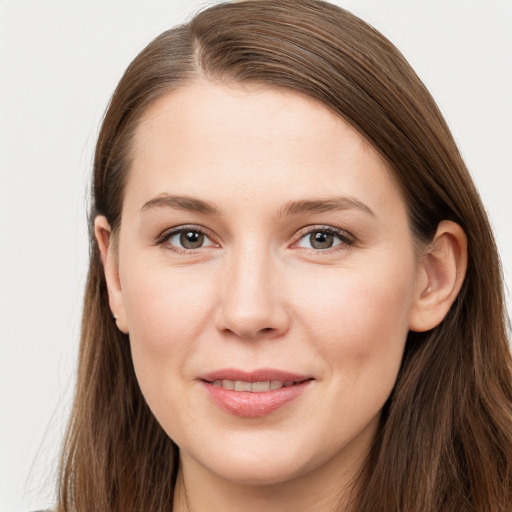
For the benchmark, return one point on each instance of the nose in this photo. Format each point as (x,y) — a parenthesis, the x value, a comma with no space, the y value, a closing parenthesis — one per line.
(252,302)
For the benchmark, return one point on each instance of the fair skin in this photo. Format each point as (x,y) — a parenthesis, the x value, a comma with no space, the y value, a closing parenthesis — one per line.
(298,259)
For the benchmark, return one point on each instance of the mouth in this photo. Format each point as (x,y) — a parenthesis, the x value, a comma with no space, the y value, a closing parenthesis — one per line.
(253,394)
(254,387)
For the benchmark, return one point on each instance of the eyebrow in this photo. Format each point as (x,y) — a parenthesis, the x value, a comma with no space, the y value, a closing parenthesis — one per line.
(322,205)
(290,208)
(186,203)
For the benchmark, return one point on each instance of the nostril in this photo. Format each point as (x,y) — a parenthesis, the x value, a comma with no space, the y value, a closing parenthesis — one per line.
(251,318)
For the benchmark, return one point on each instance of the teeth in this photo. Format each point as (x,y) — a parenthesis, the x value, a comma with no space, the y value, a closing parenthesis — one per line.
(258,387)
(240,385)
(253,387)
(228,384)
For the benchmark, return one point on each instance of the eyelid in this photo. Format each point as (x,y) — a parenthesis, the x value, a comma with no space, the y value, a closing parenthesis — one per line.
(166,234)
(346,238)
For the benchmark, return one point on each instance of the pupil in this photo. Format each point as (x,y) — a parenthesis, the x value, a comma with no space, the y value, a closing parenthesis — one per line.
(191,239)
(321,240)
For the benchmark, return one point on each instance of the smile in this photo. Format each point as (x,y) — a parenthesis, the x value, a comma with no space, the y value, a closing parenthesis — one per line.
(252,387)
(254,394)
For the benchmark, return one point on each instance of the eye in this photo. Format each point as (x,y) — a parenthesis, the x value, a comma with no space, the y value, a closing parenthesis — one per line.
(186,239)
(323,238)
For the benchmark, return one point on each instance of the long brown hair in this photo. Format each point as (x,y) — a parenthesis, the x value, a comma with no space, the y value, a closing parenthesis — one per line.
(445,436)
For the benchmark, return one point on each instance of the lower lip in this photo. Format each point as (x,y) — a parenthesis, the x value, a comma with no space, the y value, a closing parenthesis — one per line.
(254,405)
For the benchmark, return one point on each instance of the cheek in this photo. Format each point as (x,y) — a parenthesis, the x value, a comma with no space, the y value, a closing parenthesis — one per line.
(359,318)
(166,311)
(359,324)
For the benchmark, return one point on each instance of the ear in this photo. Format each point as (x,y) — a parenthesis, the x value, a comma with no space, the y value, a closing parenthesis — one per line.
(108,251)
(440,276)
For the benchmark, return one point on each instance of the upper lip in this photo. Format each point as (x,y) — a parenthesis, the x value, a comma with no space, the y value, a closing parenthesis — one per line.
(259,375)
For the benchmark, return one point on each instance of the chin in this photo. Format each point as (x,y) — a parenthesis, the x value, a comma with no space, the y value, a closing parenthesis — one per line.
(275,464)
(262,473)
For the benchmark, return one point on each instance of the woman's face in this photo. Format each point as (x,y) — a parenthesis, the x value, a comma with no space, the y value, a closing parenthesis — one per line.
(263,247)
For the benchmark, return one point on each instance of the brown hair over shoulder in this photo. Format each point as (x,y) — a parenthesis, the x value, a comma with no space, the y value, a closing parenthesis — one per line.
(445,435)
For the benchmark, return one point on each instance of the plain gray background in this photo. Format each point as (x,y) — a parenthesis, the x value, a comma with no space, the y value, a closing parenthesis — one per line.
(59,63)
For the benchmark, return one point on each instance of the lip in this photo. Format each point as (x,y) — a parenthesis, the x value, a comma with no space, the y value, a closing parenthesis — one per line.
(254,404)
(258,375)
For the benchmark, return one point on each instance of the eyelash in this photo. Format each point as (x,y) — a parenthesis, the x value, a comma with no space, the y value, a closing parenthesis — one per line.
(167,235)
(346,239)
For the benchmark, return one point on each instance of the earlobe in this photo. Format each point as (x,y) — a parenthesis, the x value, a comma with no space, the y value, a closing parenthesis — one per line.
(440,276)
(108,253)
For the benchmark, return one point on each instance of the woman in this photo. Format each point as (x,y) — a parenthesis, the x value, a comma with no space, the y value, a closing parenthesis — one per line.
(294,298)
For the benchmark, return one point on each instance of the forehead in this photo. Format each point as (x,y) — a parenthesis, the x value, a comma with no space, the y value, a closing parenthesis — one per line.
(233,141)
